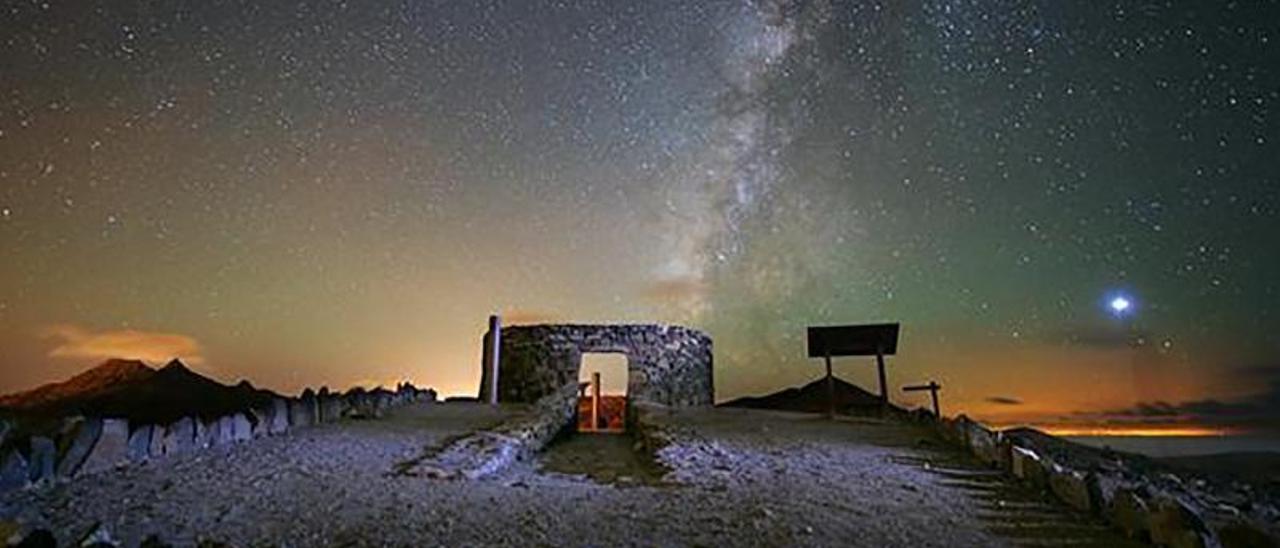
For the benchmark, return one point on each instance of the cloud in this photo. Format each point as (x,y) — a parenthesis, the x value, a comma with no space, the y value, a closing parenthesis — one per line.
(78,342)
(1261,410)
(1004,400)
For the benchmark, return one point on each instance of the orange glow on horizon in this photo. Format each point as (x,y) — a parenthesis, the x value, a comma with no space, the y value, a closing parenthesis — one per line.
(1128,430)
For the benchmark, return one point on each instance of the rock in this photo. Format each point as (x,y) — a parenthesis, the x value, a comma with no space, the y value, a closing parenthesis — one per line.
(5,428)
(982,442)
(111,449)
(36,538)
(1175,524)
(140,443)
(44,455)
(80,435)
(302,413)
(278,416)
(206,433)
(226,431)
(1073,488)
(331,408)
(1129,513)
(261,420)
(97,537)
(1027,466)
(155,449)
(180,437)
(241,428)
(14,471)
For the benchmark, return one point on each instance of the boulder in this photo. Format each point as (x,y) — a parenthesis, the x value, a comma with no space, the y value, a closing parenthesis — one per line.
(180,437)
(983,443)
(1129,514)
(1175,524)
(226,434)
(97,537)
(206,433)
(140,443)
(428,395)
(302,412)
(79,436)
(14,471)
(331,408)
(155,449)
(44,456)
(1027,466)
(261,420)
(278,416)
(241,428)
(1073,488)
(111,449)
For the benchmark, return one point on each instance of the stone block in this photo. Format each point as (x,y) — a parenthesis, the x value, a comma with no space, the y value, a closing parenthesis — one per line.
(44,457)
(79,436)
(1073,488)
(111,449)
(180,437)
(1174,524)
(260,423)
(226,431)
(206,433)
(302,413)
(278,416)
(1027,466)
(241,428)
(140,443)
(155,449)
(14,471)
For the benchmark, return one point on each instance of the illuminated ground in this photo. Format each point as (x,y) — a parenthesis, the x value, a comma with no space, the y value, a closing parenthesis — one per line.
(736,477)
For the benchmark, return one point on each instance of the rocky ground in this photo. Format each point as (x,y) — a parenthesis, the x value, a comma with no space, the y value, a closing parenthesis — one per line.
(729,477)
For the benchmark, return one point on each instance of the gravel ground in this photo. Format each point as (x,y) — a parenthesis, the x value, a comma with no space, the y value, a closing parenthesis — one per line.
(733,477)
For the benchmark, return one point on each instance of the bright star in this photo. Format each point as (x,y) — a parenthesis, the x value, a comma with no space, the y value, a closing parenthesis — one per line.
(1120,305)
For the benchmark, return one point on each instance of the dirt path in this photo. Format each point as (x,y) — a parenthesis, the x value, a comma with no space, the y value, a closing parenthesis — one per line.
(736,477)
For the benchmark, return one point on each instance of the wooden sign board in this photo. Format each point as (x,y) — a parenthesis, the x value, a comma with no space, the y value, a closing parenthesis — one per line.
(853,340)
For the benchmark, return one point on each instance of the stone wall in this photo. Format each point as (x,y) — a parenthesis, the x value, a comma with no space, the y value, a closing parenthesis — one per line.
(1145,502)
(87,445)
(667,365)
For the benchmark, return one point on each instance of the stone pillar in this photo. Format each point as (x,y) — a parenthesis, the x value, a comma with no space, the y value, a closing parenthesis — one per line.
(494,356)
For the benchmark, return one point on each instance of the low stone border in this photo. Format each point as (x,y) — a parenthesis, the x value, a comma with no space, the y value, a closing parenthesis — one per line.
(1141,507)
(489,451)
(89,445)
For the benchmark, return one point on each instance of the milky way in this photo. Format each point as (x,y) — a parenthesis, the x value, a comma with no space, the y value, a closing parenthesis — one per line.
(340,193)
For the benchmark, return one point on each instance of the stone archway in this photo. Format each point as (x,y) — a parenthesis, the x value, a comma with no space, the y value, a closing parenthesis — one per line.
(666,364)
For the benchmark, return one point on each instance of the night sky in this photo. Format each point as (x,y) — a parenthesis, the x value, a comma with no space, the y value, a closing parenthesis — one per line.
(338,193)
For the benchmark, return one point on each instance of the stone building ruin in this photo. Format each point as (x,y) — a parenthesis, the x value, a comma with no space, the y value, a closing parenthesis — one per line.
(666,364)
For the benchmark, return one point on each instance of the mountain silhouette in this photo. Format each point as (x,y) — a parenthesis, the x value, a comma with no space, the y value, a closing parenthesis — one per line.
(131,389)
(812,398)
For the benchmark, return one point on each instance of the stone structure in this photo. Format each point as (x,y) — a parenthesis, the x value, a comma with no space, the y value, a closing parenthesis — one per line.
(667,365)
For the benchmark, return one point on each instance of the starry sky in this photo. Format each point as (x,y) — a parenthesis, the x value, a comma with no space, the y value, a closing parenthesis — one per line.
(341,192)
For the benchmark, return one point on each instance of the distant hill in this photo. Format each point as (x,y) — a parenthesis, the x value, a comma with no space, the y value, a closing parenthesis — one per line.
(812,398)
(133,390)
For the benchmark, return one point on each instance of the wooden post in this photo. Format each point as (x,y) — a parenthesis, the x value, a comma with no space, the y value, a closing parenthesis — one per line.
(495,349)
(884,386)
(933,388)
(595,401)
(831,390)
